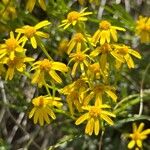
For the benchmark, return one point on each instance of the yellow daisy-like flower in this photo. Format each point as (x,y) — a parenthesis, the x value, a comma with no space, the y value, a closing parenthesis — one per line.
(94,71)
(80,59)
(138,136)
(75,17)
(98,91)
(75,94)
(11,47)
(43,109)
(143,29)
(105,33)
(31,32)
(103,52)
(94,116)
(31,3)
(46,67)
(18,63)
(78,41)
(123,53)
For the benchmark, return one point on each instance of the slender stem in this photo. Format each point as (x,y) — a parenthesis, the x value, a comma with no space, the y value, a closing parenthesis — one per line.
(40,43)
(101,139)
(141,90)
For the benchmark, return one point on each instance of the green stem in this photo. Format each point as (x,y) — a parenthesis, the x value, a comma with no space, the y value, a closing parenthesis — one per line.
(41,45)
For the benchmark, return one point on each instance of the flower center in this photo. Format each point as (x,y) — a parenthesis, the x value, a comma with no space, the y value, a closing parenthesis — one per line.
(94,112)
(104,25)
(30,31)
(106,48)
(136,136)
(78,37)
(146,28)
(73,16)
(95,68)
(45,65)
(79,57)
(123,51)
(11,44)
(98,89)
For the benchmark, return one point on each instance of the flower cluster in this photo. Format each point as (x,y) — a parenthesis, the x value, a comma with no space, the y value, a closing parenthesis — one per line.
(91,60)
(90,94)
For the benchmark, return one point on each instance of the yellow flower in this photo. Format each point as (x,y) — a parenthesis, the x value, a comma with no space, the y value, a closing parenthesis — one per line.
(94,116)
(123,53)
(75,17)
(98,91)
(143,29)
(31,32)
(43,109)
(94,71)
(11,47)
(103,52)
(31,3)
(80,59)
(46,67)
(138,136)
(75,94)
(106,32)
(18,63)
(78,41)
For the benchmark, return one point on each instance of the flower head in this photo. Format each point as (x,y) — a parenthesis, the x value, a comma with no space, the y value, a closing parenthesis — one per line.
(143,29)
(31,32)
(138,136)
(123,53)
(11,47)
(98,91)
(94,116)
(80,59)
(31,3)
(18,63)
(78,41)
(106,32)
(75,17)
(45,67)
(75,94)
(43,109)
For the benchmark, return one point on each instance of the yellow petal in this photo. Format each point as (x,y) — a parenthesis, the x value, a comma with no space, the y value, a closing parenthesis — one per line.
(42,24)
(50,112)
(41,119)
(131,144)
(139,143)
(107,119)
(73,72)
(42,34)
(82,119)
(59,66)
(30,5)
(42,4)
(96,127)
(36,116)
(55,76)
(135,53)
(32,112)
(129,61)
(33,42)
(140,128)
(111,94)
